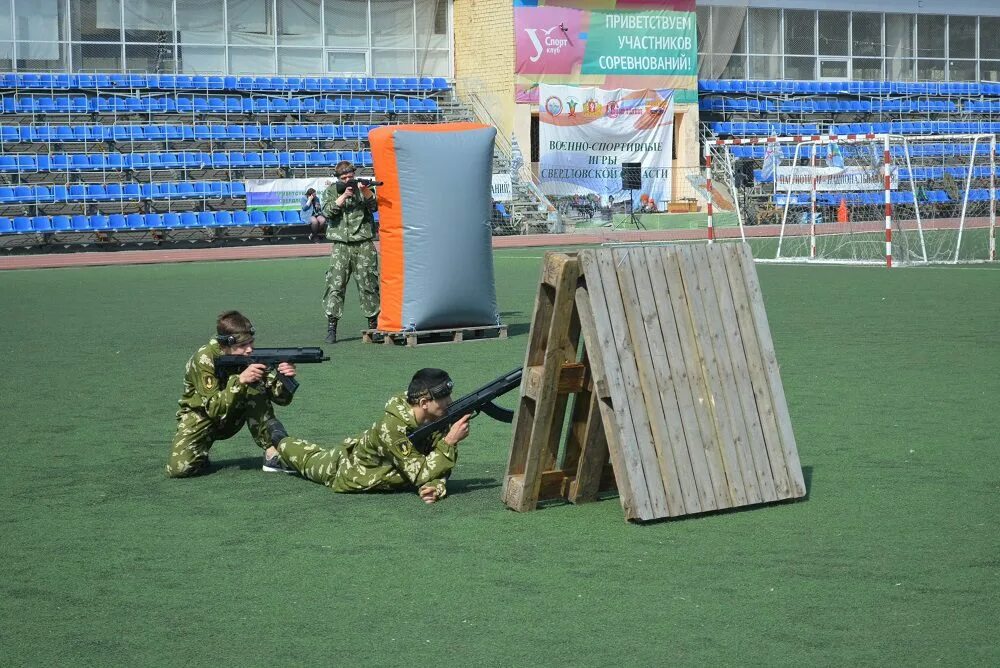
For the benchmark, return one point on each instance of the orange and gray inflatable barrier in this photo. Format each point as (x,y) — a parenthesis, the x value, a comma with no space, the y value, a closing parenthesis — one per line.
(434,225)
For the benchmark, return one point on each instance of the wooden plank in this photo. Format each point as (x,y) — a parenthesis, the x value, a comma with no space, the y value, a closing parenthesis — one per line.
(622,440)
(524,418)
(730,411)
(697,293)
(737,359)
(594,455)
(598,373)
(557,484)
(756,373)
(667,438)
(619,357)
(546,427)
(792,464)
(681,371)
(572,378)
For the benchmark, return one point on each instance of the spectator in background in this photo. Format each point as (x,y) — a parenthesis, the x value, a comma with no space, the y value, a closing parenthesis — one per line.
(311,214)
(646,204)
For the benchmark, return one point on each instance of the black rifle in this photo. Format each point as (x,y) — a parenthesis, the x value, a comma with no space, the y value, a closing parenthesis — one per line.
(355,183)
(226,365)
(475,402)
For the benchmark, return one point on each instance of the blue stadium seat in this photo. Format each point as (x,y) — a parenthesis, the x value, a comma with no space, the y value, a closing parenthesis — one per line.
(61,224)
(189,219)
(135,221)
(7,195)
(6,226)
(223,219)
(206,219)
(171,220)
(80,223)
(291,217)
(154,221)
(238,189)
(22,224)
(274,217)
(116,221)
(43,195)
(241,219)
(257,218)
(41,224)
(99,222)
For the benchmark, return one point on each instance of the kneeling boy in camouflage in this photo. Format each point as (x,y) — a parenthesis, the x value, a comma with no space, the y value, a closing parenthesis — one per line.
(212,411)
(382,458)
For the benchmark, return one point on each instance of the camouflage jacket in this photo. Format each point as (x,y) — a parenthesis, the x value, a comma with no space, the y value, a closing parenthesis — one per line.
(204,393)
(355,221)
(382,458)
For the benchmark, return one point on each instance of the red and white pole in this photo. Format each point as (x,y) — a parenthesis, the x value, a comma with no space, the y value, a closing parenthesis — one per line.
(708,187)
(812,206)
(886,169)
(993,197)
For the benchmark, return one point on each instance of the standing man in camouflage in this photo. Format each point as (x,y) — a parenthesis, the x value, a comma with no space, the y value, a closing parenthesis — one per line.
(212,411)
(351,227)
(383,458)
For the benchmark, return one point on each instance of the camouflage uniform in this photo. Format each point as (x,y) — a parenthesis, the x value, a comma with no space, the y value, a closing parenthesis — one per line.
(380,459)
(212,412)
(351,228)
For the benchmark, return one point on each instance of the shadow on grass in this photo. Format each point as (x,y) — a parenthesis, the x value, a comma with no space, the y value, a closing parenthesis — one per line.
(470,485)
(241,463)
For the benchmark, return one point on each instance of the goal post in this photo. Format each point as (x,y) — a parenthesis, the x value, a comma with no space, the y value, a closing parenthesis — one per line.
(860,198)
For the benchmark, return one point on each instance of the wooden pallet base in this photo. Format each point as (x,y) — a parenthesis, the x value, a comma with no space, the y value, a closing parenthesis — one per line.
(435,336)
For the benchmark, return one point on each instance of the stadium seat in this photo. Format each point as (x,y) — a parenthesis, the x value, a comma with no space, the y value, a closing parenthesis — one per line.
(6,225)
(241,219)
(99,222)
(41,224)
(274,217)
(135,221)
(291,217)
(189,219)
(257,218)
(223,219)
(116,221)
(171,220)
(61,224)
(80,223)
(206,219)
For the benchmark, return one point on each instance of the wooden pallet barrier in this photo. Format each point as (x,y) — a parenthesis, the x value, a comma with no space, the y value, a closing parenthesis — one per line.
(435,336)
(675,381)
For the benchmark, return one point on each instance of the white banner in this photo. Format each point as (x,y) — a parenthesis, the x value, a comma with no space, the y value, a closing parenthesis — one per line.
(282,193)
(831,179)
(585,134)
(500,189)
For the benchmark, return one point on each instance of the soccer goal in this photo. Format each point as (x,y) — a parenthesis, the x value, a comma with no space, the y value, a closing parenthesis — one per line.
(860,199)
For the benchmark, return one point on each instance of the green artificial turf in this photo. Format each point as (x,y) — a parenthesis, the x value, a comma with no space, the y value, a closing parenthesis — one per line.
(892,560)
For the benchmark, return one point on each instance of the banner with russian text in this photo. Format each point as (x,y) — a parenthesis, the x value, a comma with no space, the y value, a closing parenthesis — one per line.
(282,194)
(586,134)
(831,179)
(607,43)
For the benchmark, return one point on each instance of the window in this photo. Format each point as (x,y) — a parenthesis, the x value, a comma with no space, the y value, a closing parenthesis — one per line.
(201,59)
(765,67)
(41,57)
(866,34)
(797,67)
(346,23)
(347,62)
(930,70)
(200,22)
(736,68)
(931,31)
(96,21)
(728,30)
(866,69)
(800,32)
(962,70)
(704,17)
(989,70)
(39,20)
(834,33)
(899,36)
(989,29)
(299,23)
(6,29)
(251,60)
(765,31)
(250,22)
(153,58)
(433,63)
(432,24)
(299,61)
(962,36)
(832,68)
(392,25)
(392,61)
(147,20)
(97,57)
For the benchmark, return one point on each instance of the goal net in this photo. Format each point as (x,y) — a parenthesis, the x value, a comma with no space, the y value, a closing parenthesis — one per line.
(873,199)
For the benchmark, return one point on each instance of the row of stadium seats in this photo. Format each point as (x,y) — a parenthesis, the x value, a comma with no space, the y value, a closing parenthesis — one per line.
(765,87)
(741,128)
(147,221)
(915,150)
(121,192)
(919,127)
(920,173)
(86,162)
(173,132)
(876,198)
(757,106)
(228,104)
(765,129)
(233,83)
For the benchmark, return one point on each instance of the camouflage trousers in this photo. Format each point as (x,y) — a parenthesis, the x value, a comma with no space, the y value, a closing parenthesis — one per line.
(196,432)
(313,462)
(361,260)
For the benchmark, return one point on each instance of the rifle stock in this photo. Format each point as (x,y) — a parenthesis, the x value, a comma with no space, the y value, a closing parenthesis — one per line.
(480,400)
(226,365)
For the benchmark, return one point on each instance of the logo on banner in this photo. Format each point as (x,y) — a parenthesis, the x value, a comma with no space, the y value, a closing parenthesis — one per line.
(554,106)
(548,43)
(572,103)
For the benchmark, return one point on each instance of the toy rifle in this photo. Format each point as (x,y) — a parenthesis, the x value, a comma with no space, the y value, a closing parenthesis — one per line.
(226,365)
(480,400)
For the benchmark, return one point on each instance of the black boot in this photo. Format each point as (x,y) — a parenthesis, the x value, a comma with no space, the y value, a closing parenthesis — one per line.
(373,324)
(331,330)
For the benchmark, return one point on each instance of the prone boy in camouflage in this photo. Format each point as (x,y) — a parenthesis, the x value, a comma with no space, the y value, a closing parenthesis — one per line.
(212,411)
(382,458)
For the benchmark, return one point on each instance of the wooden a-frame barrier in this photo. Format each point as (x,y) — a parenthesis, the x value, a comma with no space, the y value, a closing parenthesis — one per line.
(676,384)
